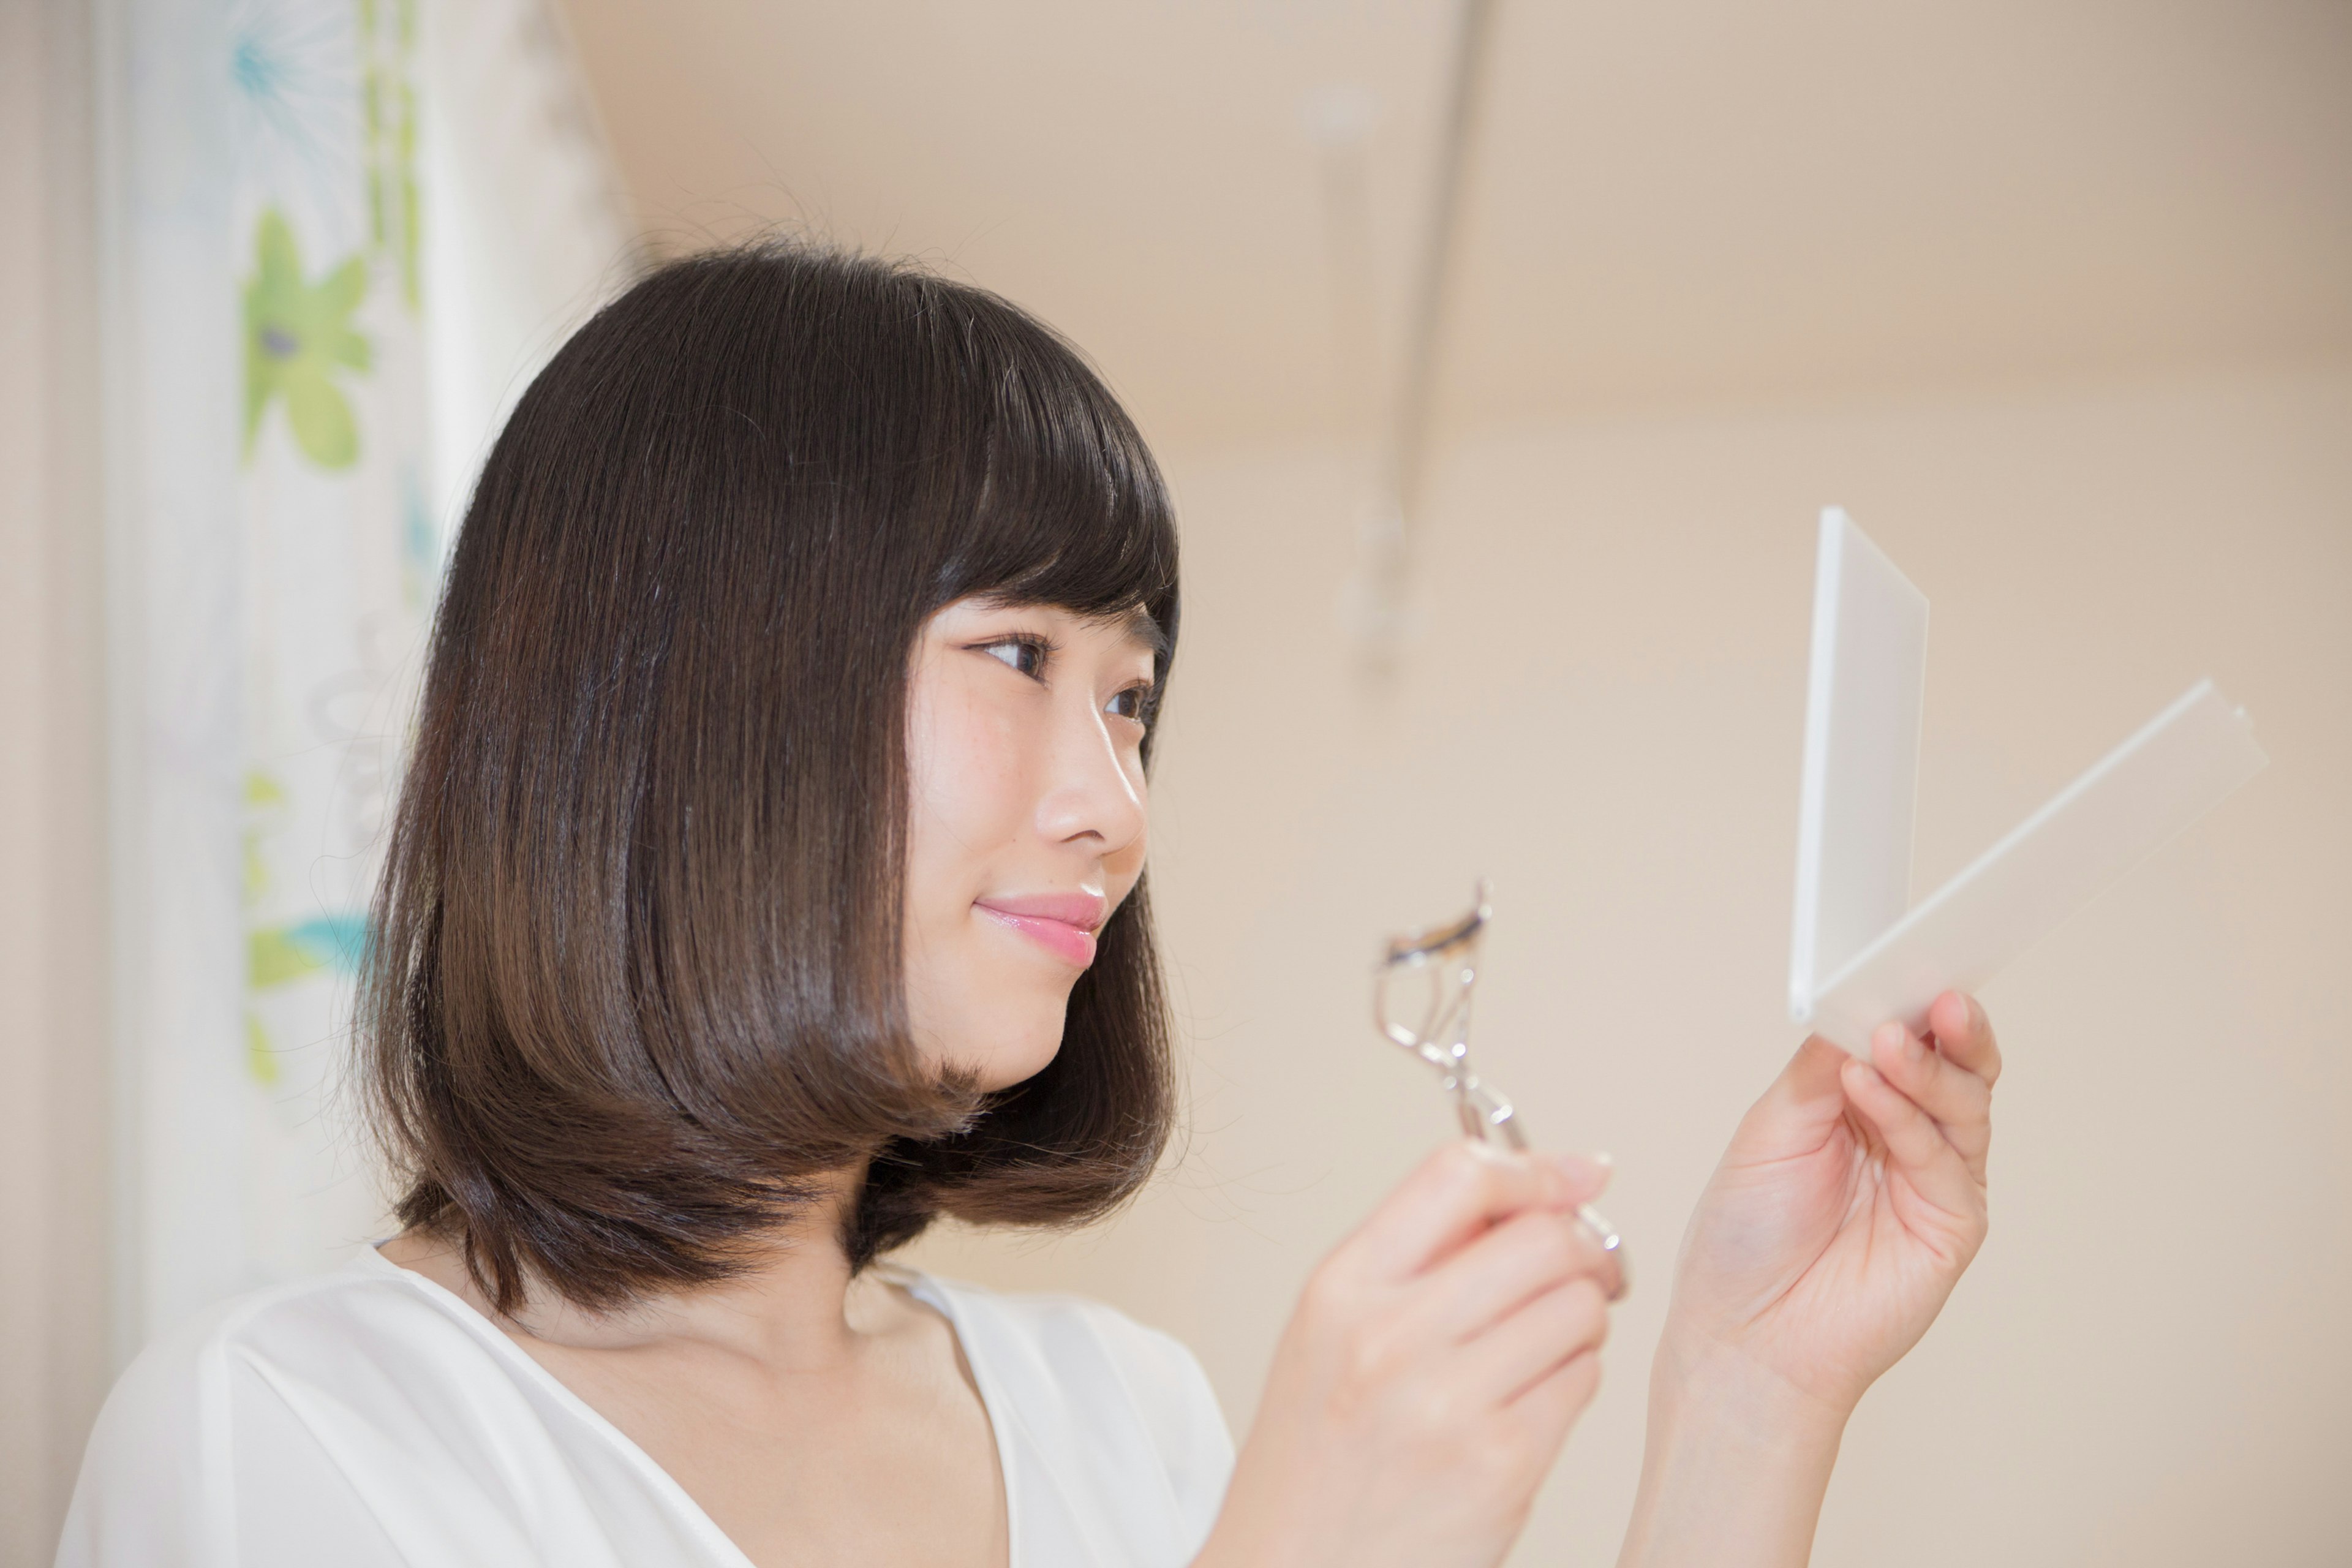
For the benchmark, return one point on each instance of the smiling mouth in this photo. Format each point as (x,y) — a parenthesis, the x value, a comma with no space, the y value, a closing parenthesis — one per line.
(1064,924)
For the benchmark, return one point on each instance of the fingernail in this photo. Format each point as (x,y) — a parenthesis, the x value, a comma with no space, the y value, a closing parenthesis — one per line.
(1586,1171)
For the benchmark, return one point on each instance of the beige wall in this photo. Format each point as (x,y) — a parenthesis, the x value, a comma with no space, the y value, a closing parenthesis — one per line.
(53,1116)
(2147,1365)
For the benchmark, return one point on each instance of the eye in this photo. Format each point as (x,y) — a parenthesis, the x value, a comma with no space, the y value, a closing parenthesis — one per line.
(1024,653)
(1135,703)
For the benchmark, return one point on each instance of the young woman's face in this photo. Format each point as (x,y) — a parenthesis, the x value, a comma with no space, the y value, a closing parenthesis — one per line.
(1024,736)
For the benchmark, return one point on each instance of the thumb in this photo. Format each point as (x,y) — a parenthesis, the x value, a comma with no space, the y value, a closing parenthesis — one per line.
(1797,1113)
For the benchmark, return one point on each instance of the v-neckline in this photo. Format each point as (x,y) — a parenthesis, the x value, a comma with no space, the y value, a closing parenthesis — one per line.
(993,1406)
(930,1293)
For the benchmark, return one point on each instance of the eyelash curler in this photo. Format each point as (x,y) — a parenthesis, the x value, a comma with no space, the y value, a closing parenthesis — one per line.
(1421,1001)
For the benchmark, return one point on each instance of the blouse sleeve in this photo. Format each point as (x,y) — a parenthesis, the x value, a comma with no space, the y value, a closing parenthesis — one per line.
(212,1453)
(141,1497)
(196,1462)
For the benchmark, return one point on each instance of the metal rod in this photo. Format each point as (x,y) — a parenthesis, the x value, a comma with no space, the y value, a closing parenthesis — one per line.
(1424,329)
(1404,459)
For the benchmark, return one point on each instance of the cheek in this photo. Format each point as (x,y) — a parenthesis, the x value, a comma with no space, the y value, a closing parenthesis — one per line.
(968,802)
(966,795)
(1125,868)
(1124,865)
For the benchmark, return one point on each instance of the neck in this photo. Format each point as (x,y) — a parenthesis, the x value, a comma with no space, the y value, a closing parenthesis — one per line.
(793,1310)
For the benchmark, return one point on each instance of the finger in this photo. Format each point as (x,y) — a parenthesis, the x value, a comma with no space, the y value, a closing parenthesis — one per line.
(1916,1146)
(1583,1178)
(1959,1101)
(1456,1193)
(1495,1275)
(1525,1348)
(1548,1409)
(1964,1034)
(1798,1111)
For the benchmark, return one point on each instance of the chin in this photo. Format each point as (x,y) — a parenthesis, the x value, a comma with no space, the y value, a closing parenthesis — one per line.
(1016,1059)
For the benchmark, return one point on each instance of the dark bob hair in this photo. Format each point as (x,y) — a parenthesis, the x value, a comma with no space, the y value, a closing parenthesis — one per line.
(637,972)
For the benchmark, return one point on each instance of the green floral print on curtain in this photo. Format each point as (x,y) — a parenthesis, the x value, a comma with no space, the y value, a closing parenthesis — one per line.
(298,335)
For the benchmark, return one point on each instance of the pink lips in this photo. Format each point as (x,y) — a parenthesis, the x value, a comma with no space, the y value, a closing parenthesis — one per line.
(1064,924)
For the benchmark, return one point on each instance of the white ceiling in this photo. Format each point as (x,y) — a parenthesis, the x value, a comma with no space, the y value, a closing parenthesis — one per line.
(1673,204)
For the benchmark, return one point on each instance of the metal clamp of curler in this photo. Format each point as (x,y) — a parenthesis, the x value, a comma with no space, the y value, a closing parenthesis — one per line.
(1421,1001)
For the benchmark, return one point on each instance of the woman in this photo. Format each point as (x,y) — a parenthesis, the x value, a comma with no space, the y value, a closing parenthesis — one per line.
(769,880)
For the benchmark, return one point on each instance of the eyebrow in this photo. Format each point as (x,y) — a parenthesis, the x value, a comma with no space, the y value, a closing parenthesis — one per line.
(1136,623)
(1139,626)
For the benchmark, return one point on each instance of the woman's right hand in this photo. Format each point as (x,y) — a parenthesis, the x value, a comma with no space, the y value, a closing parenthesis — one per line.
(1433,1367)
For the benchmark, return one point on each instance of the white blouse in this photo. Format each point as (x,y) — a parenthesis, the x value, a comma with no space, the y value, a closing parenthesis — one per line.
(370,1420)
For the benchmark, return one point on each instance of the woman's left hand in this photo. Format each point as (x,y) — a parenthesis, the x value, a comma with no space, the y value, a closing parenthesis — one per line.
(1851,1199)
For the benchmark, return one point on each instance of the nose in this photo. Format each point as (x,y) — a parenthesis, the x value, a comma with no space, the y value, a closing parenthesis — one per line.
(1093,790)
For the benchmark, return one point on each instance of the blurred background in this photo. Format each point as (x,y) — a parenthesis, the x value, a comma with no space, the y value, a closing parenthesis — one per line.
(1500,371)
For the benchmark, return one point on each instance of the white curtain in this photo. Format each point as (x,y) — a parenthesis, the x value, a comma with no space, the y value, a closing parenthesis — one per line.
(528,230)
(315,310)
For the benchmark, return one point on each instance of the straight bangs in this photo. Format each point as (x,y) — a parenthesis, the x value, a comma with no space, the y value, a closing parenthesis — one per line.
(1066,505)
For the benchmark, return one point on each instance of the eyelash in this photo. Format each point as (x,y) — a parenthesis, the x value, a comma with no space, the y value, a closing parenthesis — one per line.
(1037,650)
(1141,697)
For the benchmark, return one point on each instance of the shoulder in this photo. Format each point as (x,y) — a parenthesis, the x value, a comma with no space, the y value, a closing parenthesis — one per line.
(365,1330)
(1073,1328)
(277,1411)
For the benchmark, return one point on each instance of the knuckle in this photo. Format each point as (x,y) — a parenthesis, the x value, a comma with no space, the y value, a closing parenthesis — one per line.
(1458,1161)
(1581,1250)
(1437,1413)
(1584,1381)
(1561,1246)
(1577,1314)
(1546,1244)
(1464,1170)
(1333,1303)
(1500,1456)
(1578,1379)
(1367,1358)
(1589,1305)
(1326,1290)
